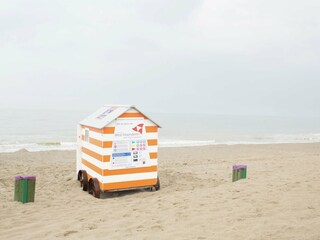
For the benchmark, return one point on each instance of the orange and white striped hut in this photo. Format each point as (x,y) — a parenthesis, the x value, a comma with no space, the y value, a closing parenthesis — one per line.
(117,150)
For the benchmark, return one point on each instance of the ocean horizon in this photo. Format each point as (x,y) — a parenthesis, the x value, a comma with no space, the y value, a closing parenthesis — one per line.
(41,130)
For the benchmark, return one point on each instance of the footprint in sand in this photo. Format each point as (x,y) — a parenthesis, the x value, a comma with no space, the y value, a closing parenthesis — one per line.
(157,227)
(5,183)
(67,233)
(139,228)
(91,226)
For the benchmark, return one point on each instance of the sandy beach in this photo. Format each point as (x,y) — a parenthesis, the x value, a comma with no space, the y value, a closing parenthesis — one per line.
(279,199)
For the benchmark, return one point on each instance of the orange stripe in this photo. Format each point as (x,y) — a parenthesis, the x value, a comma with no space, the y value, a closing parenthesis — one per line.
(109,130)
(92,153)
(132,115)
(151,129)
(92,167)
(105,158)
(153,155)
(129,184)
(129,171)
(106,130)
(152,142)
(106,144)
(96,142)
(107,172)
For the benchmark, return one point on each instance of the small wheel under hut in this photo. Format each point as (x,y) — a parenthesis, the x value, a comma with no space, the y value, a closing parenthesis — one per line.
(83,178)
(94,187)
(157,186)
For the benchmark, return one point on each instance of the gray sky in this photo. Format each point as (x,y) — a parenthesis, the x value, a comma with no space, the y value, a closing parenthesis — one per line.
(221,57)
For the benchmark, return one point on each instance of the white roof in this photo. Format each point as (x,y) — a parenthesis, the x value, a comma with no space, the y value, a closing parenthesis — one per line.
(106,114)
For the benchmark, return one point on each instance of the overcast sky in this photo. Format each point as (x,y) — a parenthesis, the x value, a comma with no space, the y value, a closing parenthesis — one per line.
(222,57)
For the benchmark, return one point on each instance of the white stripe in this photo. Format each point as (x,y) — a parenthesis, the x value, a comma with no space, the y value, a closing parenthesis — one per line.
(110,137)
(97,163)
(130,177)
(111,124)
(101,137)
(108,151)
(152,135)
(107,165)
(153,162)
(96,149)
(131,110)
(148,123)
(78,148)
(121,178)
(153,149)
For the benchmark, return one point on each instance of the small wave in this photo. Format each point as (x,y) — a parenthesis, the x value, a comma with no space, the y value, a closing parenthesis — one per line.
(185,143)
(253,140)
(50,143)
(36,147)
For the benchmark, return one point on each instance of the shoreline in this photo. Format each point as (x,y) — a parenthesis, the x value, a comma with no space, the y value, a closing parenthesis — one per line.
(191,146)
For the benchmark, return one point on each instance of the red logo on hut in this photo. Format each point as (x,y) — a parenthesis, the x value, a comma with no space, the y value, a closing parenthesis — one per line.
(138,128)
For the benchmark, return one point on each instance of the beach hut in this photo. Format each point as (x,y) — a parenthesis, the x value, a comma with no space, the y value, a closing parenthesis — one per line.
(117,150)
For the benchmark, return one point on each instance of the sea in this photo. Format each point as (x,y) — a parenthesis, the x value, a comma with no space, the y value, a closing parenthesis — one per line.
(41,130)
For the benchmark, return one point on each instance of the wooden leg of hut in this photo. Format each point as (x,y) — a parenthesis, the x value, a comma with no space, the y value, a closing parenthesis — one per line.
(83,178)
(157,186)
(94,187)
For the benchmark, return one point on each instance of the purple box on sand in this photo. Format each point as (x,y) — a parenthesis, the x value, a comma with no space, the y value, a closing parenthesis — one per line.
(236,167)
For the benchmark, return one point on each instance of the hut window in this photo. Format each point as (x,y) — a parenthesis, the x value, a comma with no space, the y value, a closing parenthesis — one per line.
(86,135)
